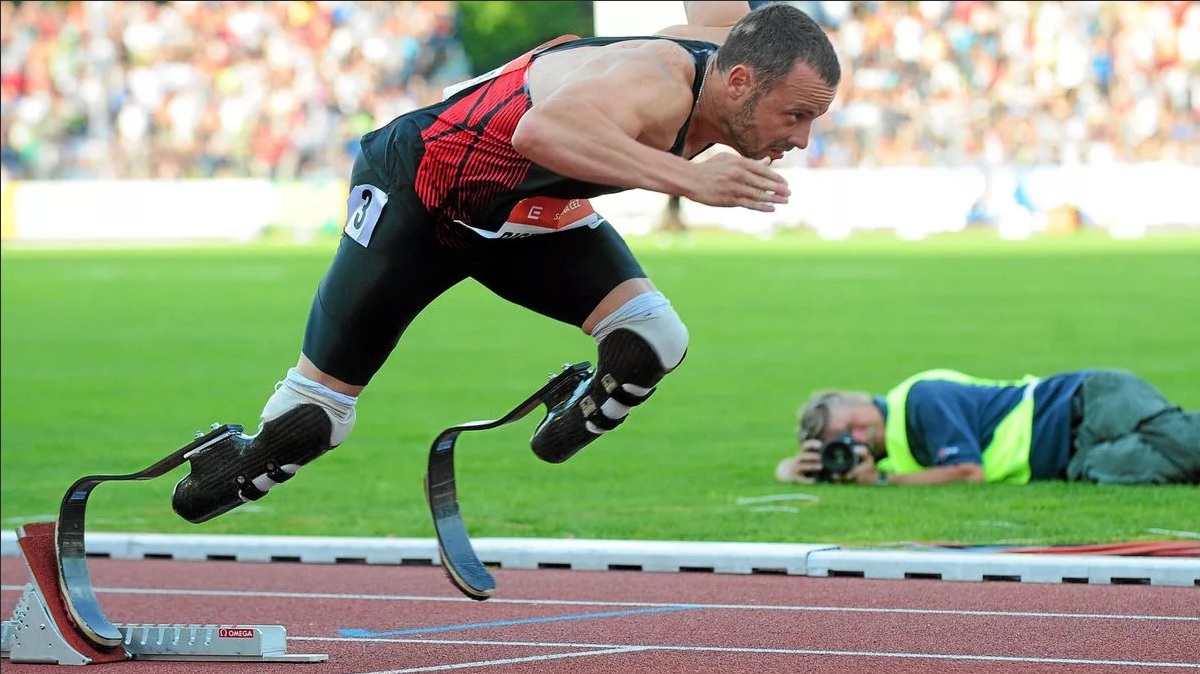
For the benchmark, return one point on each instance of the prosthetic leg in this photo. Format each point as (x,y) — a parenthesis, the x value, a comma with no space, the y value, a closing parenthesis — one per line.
(459,560)
(638,344)
(587,413)
(301,421)
(238,468)
(59,619)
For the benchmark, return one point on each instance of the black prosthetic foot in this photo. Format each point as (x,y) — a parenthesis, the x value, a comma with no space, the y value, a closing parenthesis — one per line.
(579,418)
(242,468)
(564,430)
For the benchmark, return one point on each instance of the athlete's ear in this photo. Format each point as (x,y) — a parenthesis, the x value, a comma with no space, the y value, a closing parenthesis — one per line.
(740,81)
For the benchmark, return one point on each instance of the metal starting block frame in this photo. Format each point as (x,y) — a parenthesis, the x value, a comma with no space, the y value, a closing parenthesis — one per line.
(33,637)
(58,619)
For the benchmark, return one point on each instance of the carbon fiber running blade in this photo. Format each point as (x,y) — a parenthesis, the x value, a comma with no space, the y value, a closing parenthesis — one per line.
(75,581)
(458,556)
(459,560)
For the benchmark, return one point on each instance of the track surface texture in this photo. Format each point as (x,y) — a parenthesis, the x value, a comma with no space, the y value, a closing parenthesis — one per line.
(399,619)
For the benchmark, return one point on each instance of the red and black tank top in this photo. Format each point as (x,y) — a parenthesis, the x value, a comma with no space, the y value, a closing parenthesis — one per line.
(465,169)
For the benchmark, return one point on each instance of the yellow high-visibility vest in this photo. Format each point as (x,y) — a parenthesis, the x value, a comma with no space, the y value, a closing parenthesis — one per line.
(1005,459)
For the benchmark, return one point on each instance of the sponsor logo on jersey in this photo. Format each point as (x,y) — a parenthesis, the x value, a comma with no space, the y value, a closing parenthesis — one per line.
(544,215)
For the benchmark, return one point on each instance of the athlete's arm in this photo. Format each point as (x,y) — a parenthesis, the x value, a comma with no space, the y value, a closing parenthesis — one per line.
(610,127)
(716,14)
(614,127)
(708,21)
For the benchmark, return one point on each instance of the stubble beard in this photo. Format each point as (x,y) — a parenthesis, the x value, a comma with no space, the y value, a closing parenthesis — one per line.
(739,128)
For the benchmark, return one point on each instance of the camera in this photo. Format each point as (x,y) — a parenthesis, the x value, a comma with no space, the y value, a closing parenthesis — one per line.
(837,458)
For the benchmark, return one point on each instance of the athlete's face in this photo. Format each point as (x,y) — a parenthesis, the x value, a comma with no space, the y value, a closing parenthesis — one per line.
(769,122)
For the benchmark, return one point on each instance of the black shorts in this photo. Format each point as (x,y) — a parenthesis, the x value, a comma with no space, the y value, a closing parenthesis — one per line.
(371,293)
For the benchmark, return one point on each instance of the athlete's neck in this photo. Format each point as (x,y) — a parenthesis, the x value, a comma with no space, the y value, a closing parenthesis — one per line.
(704,129)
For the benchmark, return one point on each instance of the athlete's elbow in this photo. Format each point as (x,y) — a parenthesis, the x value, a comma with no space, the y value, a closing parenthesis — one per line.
(530,138)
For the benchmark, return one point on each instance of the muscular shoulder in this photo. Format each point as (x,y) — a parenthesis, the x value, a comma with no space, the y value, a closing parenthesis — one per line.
(663,58)
(643,87)
(621,67)
(647,58)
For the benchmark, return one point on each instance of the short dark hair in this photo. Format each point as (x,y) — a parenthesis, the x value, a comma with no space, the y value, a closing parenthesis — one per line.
(773,38)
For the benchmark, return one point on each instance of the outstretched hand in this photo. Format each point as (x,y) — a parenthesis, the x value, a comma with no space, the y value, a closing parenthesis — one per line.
(729,179)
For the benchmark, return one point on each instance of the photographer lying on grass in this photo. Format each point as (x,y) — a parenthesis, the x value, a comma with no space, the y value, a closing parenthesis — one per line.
(940,426)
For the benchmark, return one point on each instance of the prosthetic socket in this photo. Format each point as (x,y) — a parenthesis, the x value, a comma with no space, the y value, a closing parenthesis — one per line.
(638,345)
(300,422)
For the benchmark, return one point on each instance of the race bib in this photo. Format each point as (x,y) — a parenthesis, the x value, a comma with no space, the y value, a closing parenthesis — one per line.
(364,206)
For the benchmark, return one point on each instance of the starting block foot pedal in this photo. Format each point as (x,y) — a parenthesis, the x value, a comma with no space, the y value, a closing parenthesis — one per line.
(211,643)
(33,635)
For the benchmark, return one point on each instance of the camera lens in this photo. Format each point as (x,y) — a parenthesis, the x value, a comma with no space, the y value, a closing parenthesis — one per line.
(837,455)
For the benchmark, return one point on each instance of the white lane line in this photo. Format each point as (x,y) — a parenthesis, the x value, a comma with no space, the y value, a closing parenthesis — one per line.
(568,602)
(907,655)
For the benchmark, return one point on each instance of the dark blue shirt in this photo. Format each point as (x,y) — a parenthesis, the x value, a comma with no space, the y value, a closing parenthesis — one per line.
(950,423)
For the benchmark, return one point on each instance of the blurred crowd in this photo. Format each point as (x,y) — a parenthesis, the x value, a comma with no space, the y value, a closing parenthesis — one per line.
(1011,83)
(202,89)
(284,89)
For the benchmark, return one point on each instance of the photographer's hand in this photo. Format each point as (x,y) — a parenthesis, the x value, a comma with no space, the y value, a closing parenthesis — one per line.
(865,472)
(808,462)
(803,467)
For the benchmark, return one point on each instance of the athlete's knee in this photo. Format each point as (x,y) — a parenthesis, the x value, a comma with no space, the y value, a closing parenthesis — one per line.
(651,322)
(639,344)
(296,390)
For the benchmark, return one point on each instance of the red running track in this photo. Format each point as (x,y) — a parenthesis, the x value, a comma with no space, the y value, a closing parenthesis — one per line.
(400,619)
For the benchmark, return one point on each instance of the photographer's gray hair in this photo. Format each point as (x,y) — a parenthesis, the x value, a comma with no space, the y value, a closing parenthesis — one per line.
(813,417)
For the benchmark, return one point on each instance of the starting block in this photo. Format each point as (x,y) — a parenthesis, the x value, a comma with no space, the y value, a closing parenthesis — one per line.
(58,619)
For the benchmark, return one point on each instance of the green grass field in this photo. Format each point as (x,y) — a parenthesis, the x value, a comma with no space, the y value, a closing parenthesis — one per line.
(113,358)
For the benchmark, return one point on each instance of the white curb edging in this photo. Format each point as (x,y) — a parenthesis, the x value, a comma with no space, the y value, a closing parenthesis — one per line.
(793,559)
(999,566)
